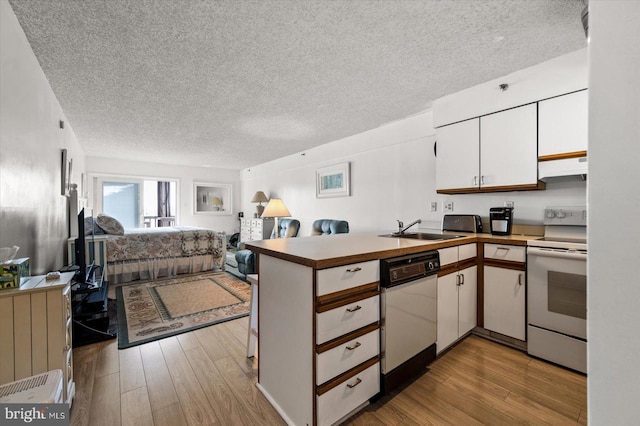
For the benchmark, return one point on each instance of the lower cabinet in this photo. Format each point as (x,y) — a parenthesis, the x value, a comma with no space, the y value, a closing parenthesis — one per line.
(319,340)
(505,290)
(457,298)
(504,301)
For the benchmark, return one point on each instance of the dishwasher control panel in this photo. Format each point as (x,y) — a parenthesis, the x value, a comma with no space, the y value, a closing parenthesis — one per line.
(402,269)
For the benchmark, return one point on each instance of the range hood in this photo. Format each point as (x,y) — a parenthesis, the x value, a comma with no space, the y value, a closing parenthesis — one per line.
(563,167)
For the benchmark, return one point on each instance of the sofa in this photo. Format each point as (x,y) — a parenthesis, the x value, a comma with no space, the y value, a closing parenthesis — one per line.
(329,227)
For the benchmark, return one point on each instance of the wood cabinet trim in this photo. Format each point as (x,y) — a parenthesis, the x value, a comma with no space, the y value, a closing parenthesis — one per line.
(451,268)
(563,156)
(346,338)
(467,263)
(505,264)
(540,185)
(326,387)
(346,300)
(342,294)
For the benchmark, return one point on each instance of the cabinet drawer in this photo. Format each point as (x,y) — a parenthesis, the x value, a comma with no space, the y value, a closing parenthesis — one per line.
(347,396)
(345,277)
(448,255)
(346,318)
(467,251)
(256,234)
(344,357)
(505,252)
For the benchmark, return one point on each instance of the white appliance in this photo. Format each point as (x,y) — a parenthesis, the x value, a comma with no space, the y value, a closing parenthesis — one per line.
(408,304)
(45,388)
(557,289)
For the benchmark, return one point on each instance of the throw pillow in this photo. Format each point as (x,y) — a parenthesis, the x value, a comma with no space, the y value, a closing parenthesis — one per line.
(109,224)
(91,227)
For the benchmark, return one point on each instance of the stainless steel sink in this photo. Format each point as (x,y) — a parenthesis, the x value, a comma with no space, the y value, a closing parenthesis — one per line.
(422,236)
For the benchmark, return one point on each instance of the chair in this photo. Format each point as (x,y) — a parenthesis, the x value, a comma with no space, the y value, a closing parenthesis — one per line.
(246,259)
(329,227)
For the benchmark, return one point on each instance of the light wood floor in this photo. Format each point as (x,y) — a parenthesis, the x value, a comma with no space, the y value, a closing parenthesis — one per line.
(203,377)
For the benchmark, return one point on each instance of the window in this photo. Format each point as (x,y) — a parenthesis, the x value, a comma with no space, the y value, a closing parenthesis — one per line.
(136,202)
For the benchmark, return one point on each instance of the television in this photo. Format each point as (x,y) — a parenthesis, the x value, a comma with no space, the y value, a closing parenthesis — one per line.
(86,273)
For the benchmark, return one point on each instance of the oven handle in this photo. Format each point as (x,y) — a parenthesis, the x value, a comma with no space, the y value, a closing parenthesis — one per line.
(562,254)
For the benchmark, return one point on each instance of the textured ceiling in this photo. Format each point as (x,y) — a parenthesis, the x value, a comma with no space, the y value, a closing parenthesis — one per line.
(237,83)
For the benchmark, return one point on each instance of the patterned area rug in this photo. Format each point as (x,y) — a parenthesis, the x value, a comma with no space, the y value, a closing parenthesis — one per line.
(153,310)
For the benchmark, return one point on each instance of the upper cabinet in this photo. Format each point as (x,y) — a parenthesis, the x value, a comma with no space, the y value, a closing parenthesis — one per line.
(563,126)
(496,152)
(458,155)
(508,149)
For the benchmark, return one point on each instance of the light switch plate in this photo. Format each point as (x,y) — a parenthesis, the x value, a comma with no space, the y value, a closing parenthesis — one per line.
(434,206)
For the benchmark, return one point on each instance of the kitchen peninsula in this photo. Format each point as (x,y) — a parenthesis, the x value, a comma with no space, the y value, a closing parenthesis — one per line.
(319,299)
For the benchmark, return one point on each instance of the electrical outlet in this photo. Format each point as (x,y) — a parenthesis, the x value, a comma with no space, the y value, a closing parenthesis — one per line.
(434,206)
(509,204)
(448,206)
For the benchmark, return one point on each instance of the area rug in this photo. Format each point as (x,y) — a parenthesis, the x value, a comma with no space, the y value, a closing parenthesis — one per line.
(153,310)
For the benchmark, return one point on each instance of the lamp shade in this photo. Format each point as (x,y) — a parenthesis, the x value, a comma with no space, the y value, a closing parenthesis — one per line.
(259,197)
(276,208)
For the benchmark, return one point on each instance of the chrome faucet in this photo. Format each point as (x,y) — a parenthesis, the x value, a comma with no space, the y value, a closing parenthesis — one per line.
(402,228)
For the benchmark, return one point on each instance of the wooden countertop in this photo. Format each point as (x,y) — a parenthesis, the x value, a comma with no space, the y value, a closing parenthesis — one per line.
(342,249)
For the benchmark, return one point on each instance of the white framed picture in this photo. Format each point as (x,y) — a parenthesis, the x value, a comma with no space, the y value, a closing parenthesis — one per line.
(212,198)
(333,181)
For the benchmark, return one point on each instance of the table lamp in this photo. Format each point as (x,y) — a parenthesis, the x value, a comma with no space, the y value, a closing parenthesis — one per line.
(259,197)
(276,209)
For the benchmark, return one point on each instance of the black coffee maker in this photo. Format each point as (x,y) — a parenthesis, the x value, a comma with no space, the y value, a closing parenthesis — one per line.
(500,220)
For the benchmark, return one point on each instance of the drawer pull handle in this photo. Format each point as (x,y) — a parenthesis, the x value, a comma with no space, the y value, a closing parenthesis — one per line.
(351,386)
(356,308)
(354,346)
(356,269)
(519,279)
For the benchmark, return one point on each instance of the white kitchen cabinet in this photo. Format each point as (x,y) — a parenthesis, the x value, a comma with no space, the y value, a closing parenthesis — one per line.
(319,340)
(504,301)
(458,153)
(457,294)
(496,152)
(508,148)
(563,126)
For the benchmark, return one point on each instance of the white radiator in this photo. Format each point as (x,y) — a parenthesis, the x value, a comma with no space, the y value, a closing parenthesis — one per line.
(45,388)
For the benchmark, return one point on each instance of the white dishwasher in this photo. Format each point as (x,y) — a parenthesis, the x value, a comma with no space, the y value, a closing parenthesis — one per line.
(408,312)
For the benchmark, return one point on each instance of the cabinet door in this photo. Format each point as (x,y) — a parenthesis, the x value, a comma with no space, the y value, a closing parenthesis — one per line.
(504,301)
(457,159)
(467,300)
(509,147)
(447,311)
(563,124)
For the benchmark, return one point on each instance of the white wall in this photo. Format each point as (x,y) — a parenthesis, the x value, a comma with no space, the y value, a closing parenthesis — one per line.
(614,209)
(186,176)
(33,213)
(392,177)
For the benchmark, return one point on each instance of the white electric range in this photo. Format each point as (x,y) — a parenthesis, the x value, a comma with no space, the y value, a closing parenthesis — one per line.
(557,289)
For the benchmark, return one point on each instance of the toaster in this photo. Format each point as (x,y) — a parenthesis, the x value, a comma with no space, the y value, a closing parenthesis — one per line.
(462,223)
(500,220)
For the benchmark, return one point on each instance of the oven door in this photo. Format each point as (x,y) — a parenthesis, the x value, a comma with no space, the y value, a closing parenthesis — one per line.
(557,290)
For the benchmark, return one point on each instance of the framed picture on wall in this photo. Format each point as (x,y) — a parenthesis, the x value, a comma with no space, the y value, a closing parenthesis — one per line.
(212,198)
(333,181)
(64,174)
